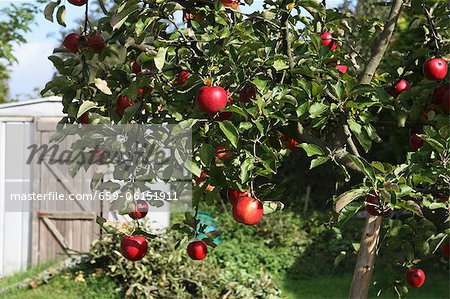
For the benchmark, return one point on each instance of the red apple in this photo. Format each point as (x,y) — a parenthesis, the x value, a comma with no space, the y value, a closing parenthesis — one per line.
(211,99)
(71,42)
(288,142)
(231,3)
(445,249)
(400,86)
(374,207)
(135,67)
(327,38)
(435,69)
(223,152)
(234,194)
(333,45)
(197,250)
(140,211)
(96,42)
(123,102)
(203,176)
(248,210)
(223,116)
(182,77)
(439,93)
(247,93)
(133,248)
(84,119)
(415,277)
(342,68)
(77,2)
(415,141)
(446,101)
(327,41)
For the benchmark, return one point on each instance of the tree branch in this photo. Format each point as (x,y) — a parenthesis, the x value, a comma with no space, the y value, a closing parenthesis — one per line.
(380,47)
(287,36)
(103,7)
(350,140)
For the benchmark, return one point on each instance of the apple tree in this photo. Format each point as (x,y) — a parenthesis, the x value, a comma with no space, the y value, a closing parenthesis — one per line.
(294,76)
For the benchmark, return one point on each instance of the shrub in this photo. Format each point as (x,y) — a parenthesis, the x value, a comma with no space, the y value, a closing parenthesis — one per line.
(168,273)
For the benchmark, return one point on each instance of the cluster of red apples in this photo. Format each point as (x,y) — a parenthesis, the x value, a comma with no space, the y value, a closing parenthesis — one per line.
(75,42)
(434,69)
(134,248)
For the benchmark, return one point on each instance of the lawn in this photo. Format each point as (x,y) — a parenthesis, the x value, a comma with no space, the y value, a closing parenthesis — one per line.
(67,286)
(73,286)
(436,287)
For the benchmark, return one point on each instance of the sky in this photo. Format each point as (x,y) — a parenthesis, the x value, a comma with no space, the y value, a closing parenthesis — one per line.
(33,70)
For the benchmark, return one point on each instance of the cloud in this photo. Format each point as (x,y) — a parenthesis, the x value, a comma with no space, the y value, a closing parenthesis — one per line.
(33,68)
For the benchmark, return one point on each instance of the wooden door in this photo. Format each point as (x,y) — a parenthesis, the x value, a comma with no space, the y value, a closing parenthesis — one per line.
(60,227)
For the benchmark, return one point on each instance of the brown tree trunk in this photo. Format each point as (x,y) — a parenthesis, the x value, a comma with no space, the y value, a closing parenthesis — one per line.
(367,251)
(362,275)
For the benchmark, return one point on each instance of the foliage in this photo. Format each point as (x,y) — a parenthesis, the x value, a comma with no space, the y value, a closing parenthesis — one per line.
(167,273)
(337,121)
(15,22)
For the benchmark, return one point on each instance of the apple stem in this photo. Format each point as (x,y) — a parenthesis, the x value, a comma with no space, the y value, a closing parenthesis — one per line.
(86,17)
(434,34)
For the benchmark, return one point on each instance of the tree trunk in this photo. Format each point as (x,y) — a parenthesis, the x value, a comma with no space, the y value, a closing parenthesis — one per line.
(367,251)
(362,275)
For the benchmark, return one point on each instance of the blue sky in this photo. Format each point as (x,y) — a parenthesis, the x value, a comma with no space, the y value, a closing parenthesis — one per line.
(33,69)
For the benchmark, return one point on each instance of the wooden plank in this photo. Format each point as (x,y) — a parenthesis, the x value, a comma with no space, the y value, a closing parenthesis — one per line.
(77,235)
(58,174)
(68,215)
(56,233)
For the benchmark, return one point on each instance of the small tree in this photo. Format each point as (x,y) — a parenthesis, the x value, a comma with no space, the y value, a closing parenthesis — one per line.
(298,75)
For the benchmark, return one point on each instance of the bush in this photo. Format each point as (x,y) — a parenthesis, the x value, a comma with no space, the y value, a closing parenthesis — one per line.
(168,273)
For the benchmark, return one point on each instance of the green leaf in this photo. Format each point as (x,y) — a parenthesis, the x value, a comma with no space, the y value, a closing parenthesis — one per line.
(119,19)
(280,65)
(58,63)
(260,84)
(49,10)
(345,198)
(246,166)
(434,143)
(85,107)
(230,131)
(361,135)
(207,153)
(317,109)
(311,149)
(272,206)
(160,58)
(338,89)
(339,258)
(61,15)
(360,89)
(102,85)
(193,168)
(411,206)
(318,161)
(141,232)
(365,167)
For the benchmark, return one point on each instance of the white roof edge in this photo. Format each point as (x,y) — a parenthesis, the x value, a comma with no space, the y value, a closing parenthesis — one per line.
(31,102)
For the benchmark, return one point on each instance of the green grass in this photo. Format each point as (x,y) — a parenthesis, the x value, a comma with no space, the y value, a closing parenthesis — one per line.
(436,287)
(331,286)
(62,286)
(8,280)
